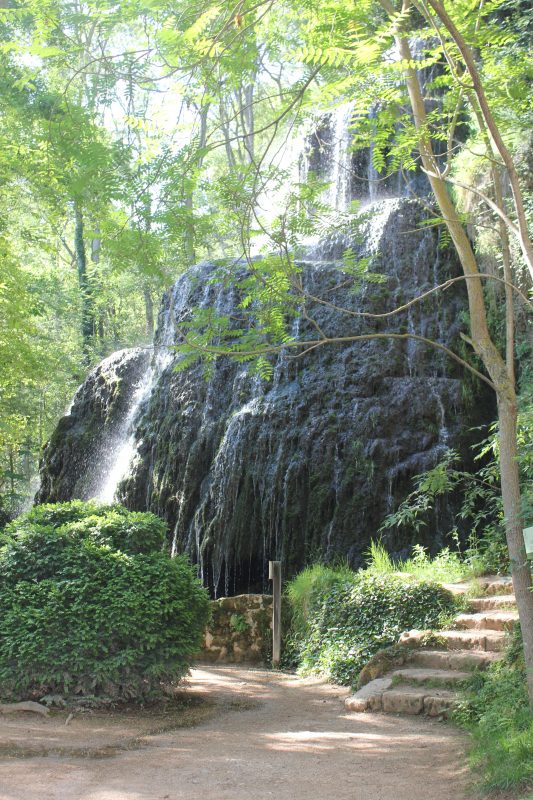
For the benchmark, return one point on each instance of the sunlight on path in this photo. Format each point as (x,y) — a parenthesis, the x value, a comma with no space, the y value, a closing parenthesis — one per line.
(293,740)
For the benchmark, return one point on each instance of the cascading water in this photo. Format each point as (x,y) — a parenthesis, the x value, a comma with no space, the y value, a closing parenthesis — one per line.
(305,465)
(121,444)
(95,427)
(339,167)
(308,464)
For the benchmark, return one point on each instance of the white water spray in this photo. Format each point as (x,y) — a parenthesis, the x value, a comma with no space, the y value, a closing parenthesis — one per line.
(124,446)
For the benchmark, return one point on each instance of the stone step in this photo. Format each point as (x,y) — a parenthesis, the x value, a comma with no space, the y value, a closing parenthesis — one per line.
(377,696)
(487,585)
(452,659)
(412,701)
(483,639)
(369,697)
(497,585)
(427,676)
(488,620)
(493,602)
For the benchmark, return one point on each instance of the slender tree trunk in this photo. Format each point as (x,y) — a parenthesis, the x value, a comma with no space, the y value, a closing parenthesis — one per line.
(26,461)
(487,351)
(247,120)
(508,276)
(96,243)
(190,251)
(41,421)
(520,567)
(189,196)
(87,310)
(227,137)
(12,473)
(149,311)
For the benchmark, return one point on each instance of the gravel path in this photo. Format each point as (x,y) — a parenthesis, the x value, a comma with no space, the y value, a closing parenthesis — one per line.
(293,740)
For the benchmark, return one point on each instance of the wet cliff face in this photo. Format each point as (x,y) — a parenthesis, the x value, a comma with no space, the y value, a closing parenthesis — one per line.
(308,464)
(83,448)
(351,174)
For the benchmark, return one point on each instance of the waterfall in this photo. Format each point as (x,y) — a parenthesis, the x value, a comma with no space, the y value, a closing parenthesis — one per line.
(305,465)
(339,158)
(308,464)
(121,445)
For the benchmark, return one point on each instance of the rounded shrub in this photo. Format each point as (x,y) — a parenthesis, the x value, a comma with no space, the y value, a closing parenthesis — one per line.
(90,604)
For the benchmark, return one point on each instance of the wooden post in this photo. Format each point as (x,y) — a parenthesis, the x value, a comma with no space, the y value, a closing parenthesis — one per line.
(274,574)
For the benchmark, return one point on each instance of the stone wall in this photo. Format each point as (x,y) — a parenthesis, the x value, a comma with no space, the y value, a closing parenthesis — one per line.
(240,630)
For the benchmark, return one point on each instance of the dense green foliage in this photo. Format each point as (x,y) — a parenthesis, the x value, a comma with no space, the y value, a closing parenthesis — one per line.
(91,605)
(485,549)
(496,712)
(131,532)
(342,618)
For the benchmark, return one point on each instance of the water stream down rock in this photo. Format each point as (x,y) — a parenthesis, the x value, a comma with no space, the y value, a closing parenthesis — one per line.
(306,465)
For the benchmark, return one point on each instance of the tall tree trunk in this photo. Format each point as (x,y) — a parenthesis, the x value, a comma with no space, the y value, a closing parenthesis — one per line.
(26,460)
(190,251)
(189,194)
(487,351)
(224,124)
(470,65)
(148,311)
(247,120)
(520,567)
(87,308)
(12,474)
(42,409)
(96,243)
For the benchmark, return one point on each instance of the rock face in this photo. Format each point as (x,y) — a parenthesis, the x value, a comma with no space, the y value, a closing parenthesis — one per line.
(308,464)
(83,447)
(351,174)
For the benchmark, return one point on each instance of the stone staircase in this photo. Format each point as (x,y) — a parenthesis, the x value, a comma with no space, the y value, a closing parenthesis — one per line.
(421,676)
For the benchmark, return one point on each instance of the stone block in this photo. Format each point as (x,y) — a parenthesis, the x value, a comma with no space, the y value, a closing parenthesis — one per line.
(403,702)
(438,705)
(414,638)
(355,703)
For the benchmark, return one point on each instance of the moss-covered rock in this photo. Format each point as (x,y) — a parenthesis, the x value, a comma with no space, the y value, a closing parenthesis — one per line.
(307,465)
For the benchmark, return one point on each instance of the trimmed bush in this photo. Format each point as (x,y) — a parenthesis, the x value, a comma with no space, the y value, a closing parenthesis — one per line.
(113,525)
(57,514)
(91,605)
(349,619)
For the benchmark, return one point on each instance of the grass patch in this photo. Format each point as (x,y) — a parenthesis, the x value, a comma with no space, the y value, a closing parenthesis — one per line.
(495,710)
(446,567)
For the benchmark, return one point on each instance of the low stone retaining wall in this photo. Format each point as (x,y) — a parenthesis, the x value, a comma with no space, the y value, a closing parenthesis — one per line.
(240,630)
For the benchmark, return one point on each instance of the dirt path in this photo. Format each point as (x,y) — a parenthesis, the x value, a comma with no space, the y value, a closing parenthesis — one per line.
(295,742)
